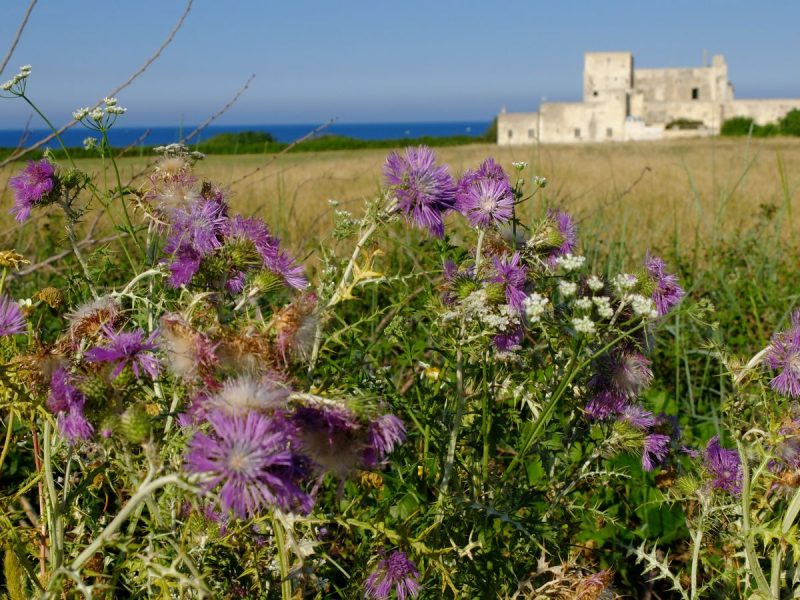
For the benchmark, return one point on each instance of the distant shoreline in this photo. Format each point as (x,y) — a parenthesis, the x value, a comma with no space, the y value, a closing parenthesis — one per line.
(121,136)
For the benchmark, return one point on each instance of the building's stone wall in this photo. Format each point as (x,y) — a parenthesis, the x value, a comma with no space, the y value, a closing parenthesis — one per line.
(623,103)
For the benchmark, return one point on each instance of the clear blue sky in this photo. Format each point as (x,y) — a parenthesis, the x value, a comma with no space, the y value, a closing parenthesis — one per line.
(374,60)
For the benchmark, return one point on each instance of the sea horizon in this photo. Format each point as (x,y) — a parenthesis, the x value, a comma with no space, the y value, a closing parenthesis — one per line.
(165,134)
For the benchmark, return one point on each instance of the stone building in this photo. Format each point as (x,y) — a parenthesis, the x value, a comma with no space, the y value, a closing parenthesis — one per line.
(621,103)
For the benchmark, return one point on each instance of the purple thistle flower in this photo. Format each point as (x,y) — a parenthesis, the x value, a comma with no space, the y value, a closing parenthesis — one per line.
(199,227)
(283,264)
(783,354)
(486,202)
(512,274)
(248,456)
(724,466)
(604,404)
(235,282)
(255,231)
(331,436)
(424,190)
(625,372)
(74,425)
(667,292)
(484,196)
(656,446)
(11,319)
(395,572)
(127,348)
(564,235)
(67,402)
(184,266)
(508,341)
(638,417)
(30,186)
(385,433)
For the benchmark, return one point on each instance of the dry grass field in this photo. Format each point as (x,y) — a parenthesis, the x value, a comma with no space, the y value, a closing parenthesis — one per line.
(645,195)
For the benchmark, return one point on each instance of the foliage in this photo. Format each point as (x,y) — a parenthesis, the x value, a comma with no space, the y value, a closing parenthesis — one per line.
(476,409)
(789,124)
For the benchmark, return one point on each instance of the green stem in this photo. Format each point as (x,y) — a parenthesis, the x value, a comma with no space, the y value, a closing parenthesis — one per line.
(478,247)
(549,408)
(52,128)
(460,401)
(76,250)
(121,191)
(283,559)
(749,547)
(55,524)
(697,537)
(7,442)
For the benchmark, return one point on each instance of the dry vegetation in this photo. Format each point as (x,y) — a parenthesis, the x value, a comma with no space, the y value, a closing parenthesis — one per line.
(646,194)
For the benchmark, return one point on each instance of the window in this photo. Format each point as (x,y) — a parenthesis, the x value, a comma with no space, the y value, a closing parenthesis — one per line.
(594,93)
(695,93)
(609,132)
(531,134)
(577,132)
(510,134)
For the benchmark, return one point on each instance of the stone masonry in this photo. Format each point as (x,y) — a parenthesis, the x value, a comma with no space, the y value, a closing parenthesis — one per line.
(621,103)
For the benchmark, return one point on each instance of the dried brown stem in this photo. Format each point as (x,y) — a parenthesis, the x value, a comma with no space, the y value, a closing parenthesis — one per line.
(114,92)
(18,35)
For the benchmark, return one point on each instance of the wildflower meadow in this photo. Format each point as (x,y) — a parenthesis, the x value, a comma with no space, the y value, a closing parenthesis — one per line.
(449,394)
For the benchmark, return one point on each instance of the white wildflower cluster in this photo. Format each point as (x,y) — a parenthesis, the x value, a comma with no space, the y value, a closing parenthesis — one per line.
(584,325)
(89,143)
(643,306)
(583,303)
(624,282)
(101,116)
(595,283)
(535,306)
(178,150)
(568,262)
(603,304)
(539,181)
(519,165)
(567,288)
(24,72)
(476,308)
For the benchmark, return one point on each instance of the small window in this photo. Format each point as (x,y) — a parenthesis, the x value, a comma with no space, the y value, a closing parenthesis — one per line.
(577,132)
(695,93)
(510,134)
(531,134)
(594,93)
(609,132)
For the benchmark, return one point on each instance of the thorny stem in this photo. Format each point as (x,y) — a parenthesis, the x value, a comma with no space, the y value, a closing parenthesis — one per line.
(76,250)
(460,400)
(365,236)
(697,538)
(749,547)
(283,559)
(37,461)
(7,442)
(478,247)
(53,510)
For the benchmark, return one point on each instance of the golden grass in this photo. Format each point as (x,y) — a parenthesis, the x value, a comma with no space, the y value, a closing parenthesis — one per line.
(644,193)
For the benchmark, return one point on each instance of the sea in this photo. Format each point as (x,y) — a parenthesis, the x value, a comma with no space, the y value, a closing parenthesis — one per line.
(157,136)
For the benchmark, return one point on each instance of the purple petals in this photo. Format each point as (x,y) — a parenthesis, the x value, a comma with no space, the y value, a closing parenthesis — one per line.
(783,355)
(11,319)
(33,183)
(395,572)
(724,466)
(247,456)
(667,292)
(127,348)
(424,190)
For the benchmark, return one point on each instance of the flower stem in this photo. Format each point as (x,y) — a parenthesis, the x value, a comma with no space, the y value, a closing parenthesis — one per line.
(283,559)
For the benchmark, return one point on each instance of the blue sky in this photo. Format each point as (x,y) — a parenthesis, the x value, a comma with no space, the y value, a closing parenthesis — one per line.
(368,61)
